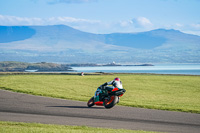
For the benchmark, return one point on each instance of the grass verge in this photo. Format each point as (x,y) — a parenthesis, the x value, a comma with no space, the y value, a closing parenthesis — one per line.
(165,92)
(20,127)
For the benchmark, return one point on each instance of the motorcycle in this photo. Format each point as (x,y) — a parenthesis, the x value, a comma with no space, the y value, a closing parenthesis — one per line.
(107,97)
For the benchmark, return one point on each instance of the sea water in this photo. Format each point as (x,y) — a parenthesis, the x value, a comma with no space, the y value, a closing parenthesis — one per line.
(190,69)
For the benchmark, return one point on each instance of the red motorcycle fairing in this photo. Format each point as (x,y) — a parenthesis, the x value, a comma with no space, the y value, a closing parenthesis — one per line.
(115,89)
(99,103)
(108,101)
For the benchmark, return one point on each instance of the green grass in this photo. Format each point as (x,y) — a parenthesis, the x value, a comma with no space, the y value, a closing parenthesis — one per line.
(165,92)
(19,127)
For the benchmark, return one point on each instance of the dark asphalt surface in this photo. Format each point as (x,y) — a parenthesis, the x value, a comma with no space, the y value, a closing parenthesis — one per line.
(27,108)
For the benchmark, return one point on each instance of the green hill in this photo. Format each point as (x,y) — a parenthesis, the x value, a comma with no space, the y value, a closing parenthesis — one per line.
(11,66)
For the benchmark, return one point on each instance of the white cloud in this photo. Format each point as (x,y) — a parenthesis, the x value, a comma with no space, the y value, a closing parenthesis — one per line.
(125,23)
(196,26)
(135,25)
(70,20)
(94,26)
(192,29)
(142,22)
(179,25)
(13,20)
(139,24)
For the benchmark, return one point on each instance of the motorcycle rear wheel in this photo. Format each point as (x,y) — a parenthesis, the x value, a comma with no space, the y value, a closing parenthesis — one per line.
(110,102)
(90,103)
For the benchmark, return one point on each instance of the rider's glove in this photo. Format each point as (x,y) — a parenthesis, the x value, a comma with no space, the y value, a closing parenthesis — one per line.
(104,84)
(102,87)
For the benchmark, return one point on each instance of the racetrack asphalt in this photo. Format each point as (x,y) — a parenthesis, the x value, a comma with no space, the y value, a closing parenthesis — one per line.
(28,108)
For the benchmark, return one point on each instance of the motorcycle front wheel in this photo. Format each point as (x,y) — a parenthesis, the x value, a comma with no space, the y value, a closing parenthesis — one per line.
(90,103)
(110,101)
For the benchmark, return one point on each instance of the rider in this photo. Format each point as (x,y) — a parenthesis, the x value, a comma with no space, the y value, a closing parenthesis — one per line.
(116,83)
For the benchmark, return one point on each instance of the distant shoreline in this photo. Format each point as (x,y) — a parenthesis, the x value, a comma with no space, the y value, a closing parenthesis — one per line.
(11,66)
(99,65)
(87,73)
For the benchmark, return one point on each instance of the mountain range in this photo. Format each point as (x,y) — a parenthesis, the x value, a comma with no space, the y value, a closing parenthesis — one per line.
(61,43)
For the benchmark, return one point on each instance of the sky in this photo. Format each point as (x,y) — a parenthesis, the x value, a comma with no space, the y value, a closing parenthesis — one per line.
(104,16)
